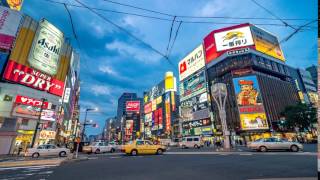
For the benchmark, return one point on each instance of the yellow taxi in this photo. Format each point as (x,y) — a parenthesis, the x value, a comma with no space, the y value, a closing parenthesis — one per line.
(142,147)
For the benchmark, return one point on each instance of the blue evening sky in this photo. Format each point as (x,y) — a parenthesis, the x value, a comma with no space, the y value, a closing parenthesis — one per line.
(113,63)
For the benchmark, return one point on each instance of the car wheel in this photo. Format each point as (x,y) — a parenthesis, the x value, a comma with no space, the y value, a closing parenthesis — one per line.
(35,155)
(112,150)
(97,151)
(134,152)
(263,149)
(159,151)
(294,148)
(62,154)
(196,146)
(184,147)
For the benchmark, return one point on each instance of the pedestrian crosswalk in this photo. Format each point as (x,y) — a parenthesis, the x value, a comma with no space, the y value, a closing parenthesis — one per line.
(27,172)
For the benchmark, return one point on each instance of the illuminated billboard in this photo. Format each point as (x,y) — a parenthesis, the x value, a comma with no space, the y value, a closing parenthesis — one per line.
(46,48)
(250,105)
(21,74)
(133,106)
(238,40)
(193,62)
(194,85)
(266,43)
(10,21)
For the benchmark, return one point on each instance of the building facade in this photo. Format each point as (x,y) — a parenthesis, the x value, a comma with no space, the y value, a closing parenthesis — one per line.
(33,83)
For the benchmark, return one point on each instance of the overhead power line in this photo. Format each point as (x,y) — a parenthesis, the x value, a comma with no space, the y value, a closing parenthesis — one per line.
(126,31)
(170,34)
(174,40)
(201,17)
(285,23)
(187,21)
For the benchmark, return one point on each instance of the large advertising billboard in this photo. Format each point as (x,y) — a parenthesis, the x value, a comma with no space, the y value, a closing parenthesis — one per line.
(195,107)
(233,38)
(12,4)
(193,62)
(266,43)
(46,48)
(154,93)
(21,74)
(133,106)
(9,24)
(239,39)
(168,113)
(250,105)
(194,85)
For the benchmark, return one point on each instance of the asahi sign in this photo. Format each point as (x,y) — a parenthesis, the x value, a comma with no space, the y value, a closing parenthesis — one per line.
(32,78)
(191,63)
(46,48)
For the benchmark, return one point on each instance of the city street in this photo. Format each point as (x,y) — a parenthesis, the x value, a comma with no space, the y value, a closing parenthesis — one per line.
(177,164)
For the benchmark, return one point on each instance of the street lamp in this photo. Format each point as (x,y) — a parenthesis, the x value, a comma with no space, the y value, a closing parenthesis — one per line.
(219,93)
(85,121)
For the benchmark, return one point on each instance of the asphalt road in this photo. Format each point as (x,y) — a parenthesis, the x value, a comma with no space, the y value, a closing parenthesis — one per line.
(176,164)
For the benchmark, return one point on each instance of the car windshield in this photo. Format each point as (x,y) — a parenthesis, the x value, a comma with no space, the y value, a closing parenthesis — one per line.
(94,144)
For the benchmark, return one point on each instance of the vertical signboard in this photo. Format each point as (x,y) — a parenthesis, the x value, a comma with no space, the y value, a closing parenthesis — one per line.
(250,105)
(46,48)
(133,106)
(160,118)
(9,24)
(168,112)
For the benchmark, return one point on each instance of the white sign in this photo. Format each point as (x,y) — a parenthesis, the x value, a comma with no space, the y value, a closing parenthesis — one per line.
(46,48)
(191,63)
(66,95)
(48,115)
(234,38)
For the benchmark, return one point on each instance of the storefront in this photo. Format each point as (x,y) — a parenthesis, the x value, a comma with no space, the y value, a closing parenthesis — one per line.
(47,137)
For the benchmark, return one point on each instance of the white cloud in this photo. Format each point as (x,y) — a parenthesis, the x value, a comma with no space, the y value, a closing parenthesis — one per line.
(144,55)
(100,90)
(211,8)
(108,70)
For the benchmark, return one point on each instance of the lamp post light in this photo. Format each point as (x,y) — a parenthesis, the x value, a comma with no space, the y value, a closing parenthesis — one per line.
(219,93)
(85,121)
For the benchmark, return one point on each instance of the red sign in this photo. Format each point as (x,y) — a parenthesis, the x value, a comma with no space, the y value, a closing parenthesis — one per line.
(251,109)
(133,106)
(210,45)
(168,116)
(30,101)
(148,108)
(160,117)
(32,78)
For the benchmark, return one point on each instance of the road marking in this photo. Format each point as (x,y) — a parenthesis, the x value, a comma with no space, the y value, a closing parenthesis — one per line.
(115,157)
(90,158)
(28,167)
(245,154)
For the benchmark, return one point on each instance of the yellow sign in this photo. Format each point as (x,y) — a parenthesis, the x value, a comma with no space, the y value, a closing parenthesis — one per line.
(44,134)
(159,99)
(154,105)
(313,96)
(267,43)
(24,137)
(169,82)
(26,132)
(253,121)
(301,97)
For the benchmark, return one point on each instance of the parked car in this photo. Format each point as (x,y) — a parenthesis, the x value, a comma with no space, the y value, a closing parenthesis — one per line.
(98,147)
(142,147)
(114,145)
(168,142)
(274,143)
(47,150)
(191,142)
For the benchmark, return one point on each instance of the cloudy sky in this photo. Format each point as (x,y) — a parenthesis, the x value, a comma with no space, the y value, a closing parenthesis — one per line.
(113,62)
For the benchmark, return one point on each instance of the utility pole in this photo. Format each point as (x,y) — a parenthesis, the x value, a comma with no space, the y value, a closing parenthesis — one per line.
(38,123)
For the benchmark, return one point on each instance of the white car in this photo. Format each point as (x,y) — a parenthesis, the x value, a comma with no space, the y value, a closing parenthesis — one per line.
(47,150)
(191,142)
(98,147)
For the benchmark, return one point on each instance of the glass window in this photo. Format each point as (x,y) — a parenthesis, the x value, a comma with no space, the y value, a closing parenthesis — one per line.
(196,139)
(189,139)
(41,147)
(51,147)
(140,143)
(269,140)
(101,144)
(24,122)
(148,143)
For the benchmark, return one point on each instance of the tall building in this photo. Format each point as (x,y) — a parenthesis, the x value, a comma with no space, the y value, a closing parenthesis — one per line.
(161,114)
(313,70)
(249,60)
(128,114)
(33,85)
